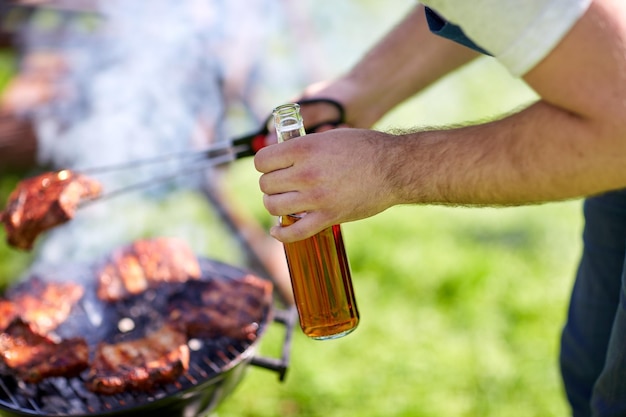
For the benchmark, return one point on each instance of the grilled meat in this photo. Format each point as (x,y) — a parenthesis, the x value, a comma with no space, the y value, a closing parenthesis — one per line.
(31,310)
(8,312)
(221,307)
(43,202)
(44,305)
(144,264)
(190,307)
(142,364)
(32,357)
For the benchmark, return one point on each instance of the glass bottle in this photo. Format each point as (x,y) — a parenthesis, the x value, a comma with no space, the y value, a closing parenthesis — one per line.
(318,266)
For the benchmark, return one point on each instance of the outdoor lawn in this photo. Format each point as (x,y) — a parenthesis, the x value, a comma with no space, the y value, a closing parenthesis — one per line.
(461,308)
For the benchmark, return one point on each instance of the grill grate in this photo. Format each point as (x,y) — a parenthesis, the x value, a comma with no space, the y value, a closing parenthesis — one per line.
(210,359)
(69,396)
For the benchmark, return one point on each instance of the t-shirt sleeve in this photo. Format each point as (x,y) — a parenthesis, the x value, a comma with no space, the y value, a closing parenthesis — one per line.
(519,34)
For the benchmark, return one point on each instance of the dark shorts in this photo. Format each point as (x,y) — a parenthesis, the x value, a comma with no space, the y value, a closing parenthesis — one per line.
(593,349)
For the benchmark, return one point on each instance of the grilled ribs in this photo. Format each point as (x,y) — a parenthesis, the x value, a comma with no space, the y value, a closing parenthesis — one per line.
(43,202)
(32,357)
(222,307)
(189,306)
(8,312)
(146,264)
(140,365)
(44,305)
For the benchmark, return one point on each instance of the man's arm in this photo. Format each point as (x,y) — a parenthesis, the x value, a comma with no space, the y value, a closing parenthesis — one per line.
(404,62)
(571,143)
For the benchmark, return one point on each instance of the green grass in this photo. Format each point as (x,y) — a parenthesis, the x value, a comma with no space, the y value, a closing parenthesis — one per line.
(7,66)
(461,308)
(12,262)
(461,311)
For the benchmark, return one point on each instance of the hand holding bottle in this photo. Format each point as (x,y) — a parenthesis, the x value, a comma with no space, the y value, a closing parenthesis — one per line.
(318,266)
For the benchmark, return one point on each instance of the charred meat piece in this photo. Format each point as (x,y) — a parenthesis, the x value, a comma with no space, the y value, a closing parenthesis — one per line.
(32,357)
(222,307)
(140,365)
(43,202)
(146,264)
(8,312)
(44,305)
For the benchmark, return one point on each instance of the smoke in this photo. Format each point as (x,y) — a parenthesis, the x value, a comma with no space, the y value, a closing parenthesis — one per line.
(148,78)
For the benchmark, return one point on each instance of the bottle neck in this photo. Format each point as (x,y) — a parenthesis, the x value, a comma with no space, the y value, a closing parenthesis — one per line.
(288,122)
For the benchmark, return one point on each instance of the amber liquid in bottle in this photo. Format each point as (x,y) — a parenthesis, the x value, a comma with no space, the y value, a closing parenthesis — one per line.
(322,283)
(318,266)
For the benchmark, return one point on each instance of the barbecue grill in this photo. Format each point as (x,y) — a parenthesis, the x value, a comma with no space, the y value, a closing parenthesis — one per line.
(216,365)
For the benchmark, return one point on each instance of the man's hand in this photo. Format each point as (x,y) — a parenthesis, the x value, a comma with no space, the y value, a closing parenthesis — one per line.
(322,175)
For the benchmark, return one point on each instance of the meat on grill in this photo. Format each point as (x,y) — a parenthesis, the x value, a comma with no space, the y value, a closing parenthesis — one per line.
(43,202)
(32,309)
(146,264)
(32,357)
(44,305)
(218,307)
(191,307)
(8,312)
(142,364)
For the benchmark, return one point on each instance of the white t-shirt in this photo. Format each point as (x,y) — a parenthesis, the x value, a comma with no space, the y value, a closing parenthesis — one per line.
(519,33)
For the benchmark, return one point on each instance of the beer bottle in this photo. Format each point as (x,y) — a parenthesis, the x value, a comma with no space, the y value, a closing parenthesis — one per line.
(318,266)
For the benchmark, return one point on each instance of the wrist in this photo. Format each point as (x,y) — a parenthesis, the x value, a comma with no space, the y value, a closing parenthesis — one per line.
(362,109)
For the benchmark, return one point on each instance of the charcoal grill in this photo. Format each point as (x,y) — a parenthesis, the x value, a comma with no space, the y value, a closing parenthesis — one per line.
(216,365)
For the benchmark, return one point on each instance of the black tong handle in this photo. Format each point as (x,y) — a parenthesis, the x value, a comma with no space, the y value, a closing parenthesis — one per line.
(249,145)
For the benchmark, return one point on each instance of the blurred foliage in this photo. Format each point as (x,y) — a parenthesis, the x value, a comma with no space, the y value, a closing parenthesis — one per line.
(7,66)
(12,262)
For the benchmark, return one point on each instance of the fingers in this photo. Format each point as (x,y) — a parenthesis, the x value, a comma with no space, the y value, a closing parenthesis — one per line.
(309,225)
(282,196)
(285,192)
(273,157)
(279,204)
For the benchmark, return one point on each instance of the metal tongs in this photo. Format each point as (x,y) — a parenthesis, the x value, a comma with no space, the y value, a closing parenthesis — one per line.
(212,156)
